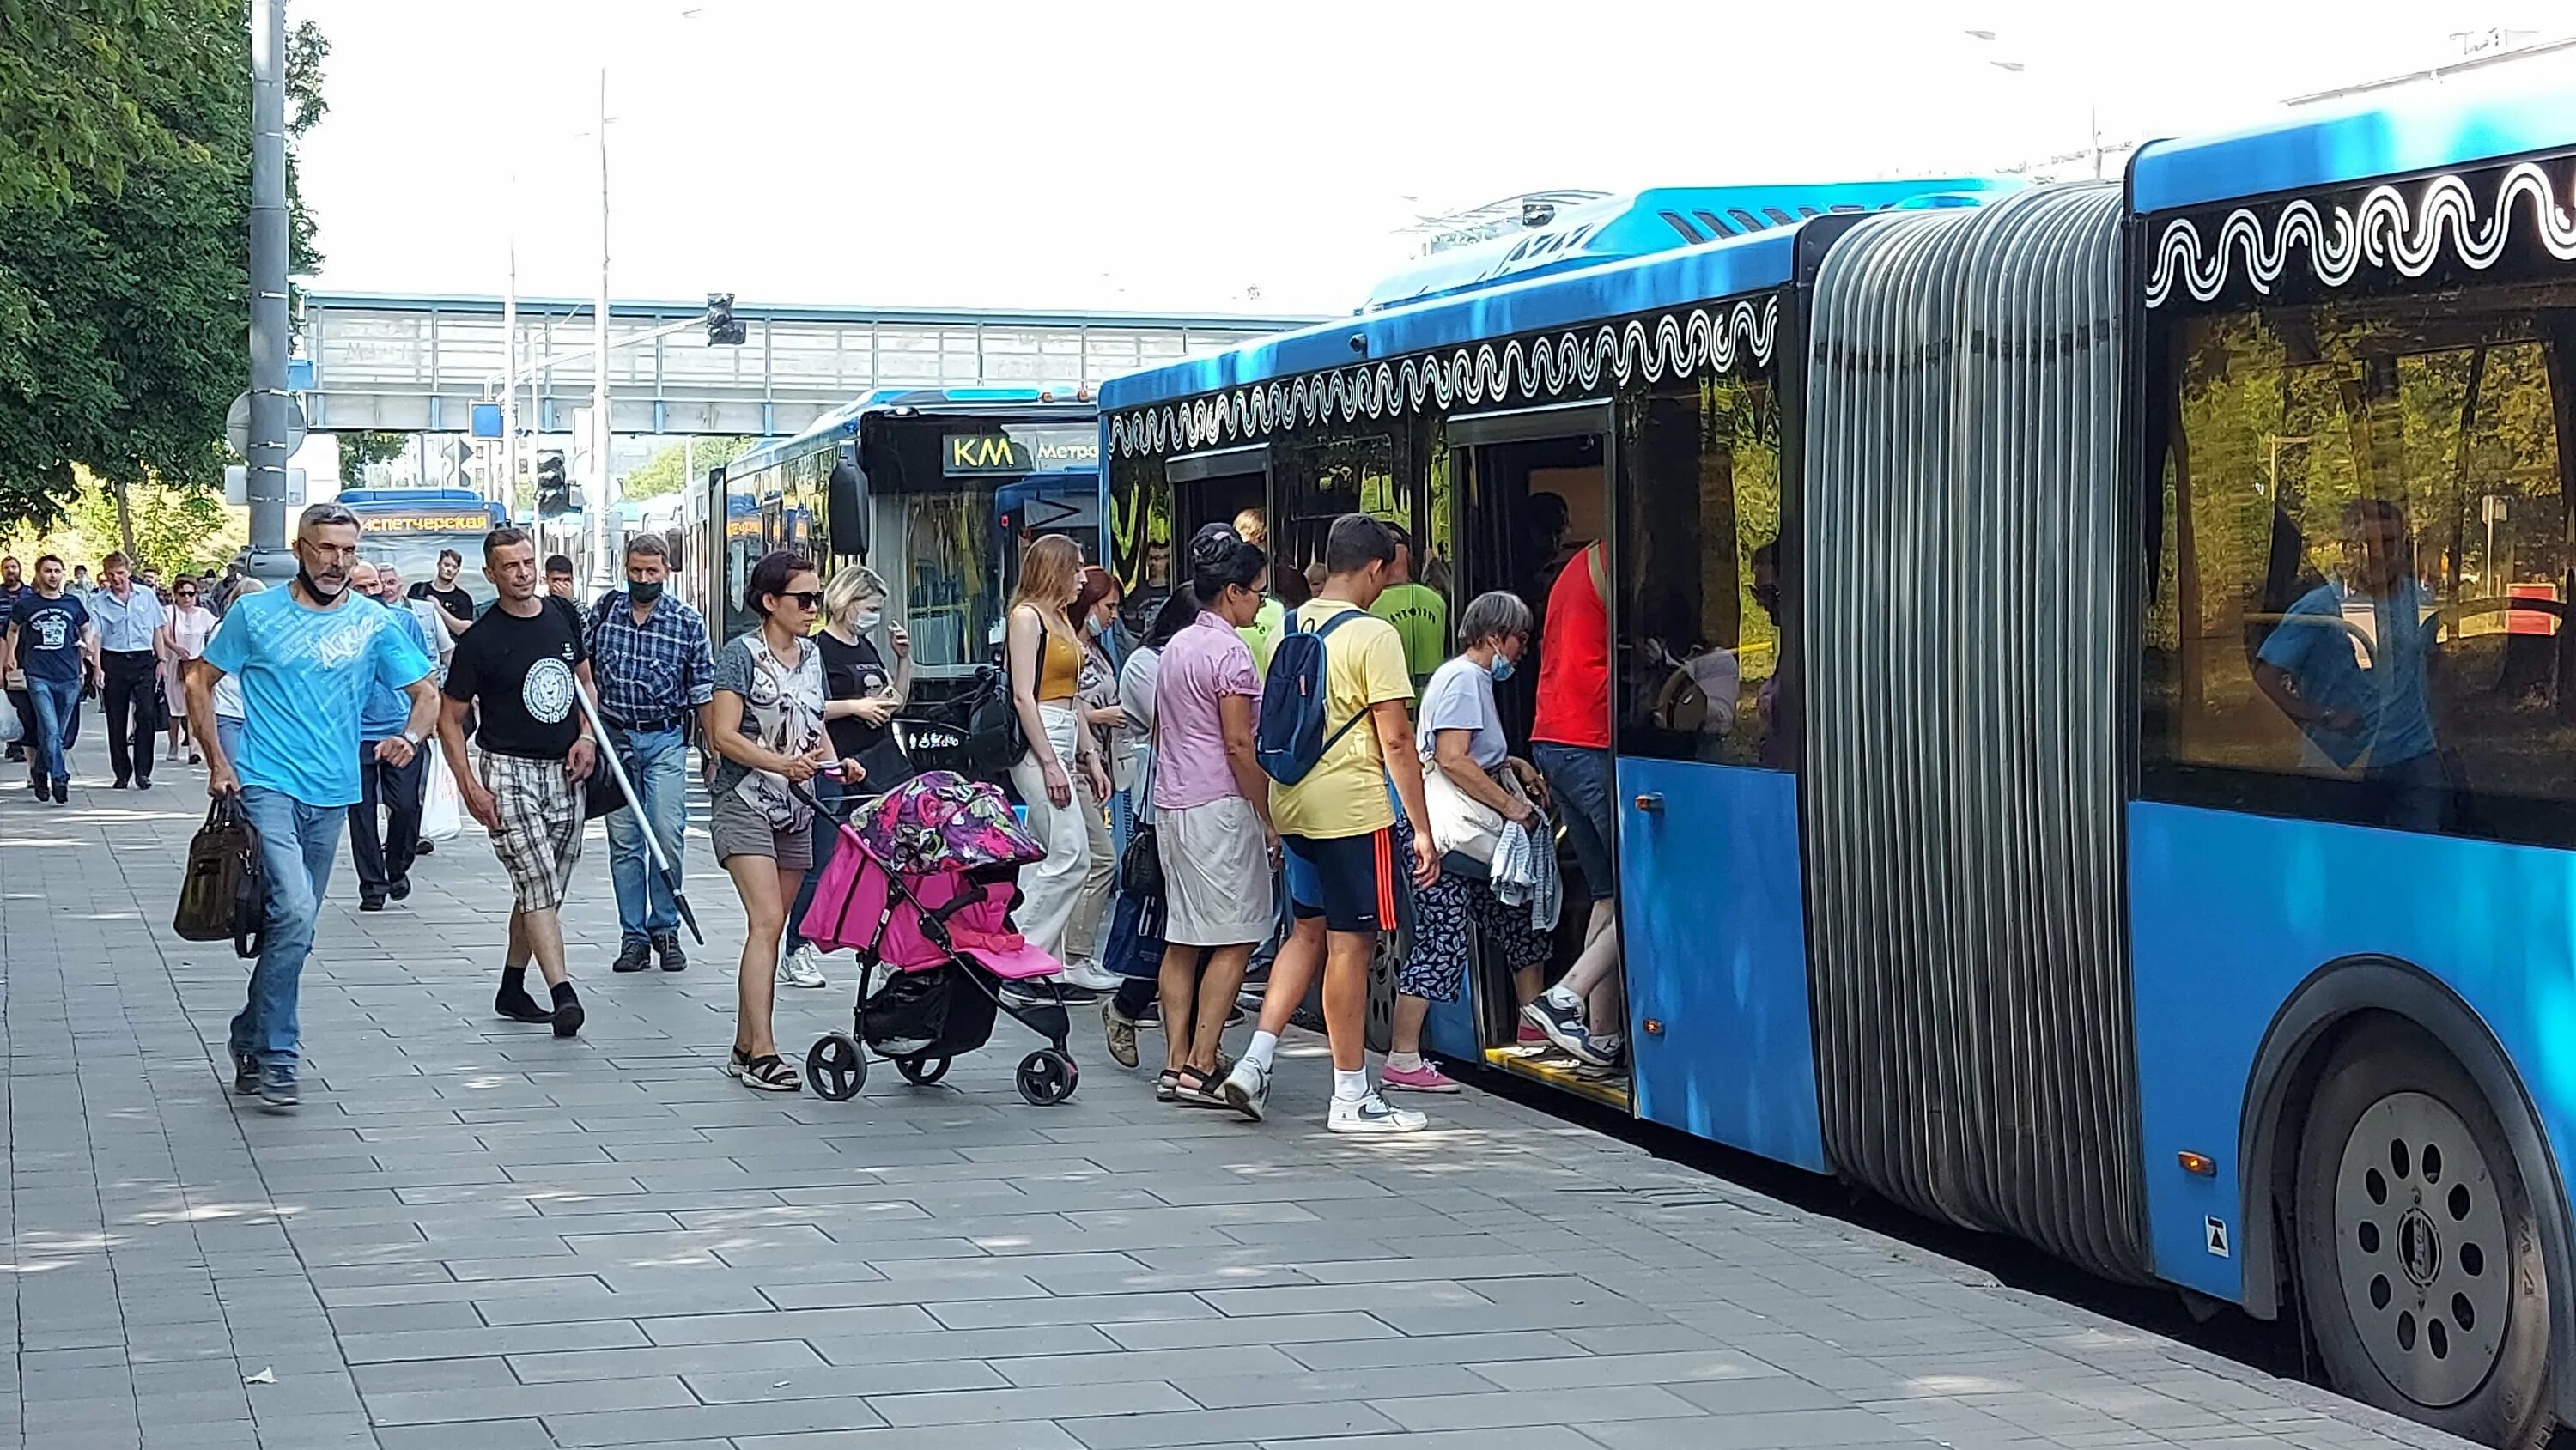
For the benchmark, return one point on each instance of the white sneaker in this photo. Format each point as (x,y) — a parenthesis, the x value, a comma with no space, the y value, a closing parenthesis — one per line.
(1093,976)
(1247,1089)
(802,968)
(1372,1114)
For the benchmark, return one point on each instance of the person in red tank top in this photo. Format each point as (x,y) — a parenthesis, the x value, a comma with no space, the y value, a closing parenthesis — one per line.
(1585,1012)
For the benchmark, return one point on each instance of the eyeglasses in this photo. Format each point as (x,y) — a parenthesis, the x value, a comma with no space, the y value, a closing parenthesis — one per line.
(805,598)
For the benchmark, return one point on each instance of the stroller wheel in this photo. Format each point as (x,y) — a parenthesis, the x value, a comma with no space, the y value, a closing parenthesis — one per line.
(836,1067)
(922,1071)
(1047,1077)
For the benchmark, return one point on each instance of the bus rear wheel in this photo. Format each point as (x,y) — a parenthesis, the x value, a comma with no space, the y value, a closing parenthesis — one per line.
(2419,1257)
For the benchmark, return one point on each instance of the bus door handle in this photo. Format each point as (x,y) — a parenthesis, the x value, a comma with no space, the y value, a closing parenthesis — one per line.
(1652,801)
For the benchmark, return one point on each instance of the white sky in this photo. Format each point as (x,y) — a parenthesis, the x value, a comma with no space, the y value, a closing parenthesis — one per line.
(1146,155)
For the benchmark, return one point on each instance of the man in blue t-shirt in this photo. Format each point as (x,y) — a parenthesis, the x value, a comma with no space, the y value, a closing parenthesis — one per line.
(47,642)
(307,656)
(2352,664)
(384,853)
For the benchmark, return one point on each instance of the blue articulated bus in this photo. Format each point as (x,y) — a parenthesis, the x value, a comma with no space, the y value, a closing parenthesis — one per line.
(2093,708)
(934,488)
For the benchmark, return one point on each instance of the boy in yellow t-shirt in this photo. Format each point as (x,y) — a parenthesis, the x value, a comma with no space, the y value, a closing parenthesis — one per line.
(1336,828)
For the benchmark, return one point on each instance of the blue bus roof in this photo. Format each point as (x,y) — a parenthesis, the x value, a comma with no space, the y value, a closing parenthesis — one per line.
(843,421)
(361,499)
(1617,229)
(1719,269)
(2310,151)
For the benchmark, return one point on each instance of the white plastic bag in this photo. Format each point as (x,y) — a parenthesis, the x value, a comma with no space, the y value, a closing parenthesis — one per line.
(12,729)
(442,810)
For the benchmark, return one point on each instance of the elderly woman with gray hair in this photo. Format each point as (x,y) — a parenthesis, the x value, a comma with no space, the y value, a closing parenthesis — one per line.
(1477,791)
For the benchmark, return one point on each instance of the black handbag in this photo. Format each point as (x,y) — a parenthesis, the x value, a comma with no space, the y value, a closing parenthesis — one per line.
(994,739)
(603,798)
(224,894)
(1140,871)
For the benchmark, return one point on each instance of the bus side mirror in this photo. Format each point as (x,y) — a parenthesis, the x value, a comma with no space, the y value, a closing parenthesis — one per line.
(847,508)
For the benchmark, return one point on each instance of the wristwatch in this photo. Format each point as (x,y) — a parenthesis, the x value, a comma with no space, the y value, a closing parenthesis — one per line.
(414,741)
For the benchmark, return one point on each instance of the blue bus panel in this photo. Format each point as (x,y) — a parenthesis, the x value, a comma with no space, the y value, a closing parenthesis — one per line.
(1712,911)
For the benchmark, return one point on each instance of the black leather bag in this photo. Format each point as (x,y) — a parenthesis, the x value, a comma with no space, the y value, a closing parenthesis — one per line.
(1140,871)
(603,797)
(224,895)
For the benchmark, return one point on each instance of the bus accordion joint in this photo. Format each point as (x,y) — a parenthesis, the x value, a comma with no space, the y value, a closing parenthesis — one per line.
(2199,1164)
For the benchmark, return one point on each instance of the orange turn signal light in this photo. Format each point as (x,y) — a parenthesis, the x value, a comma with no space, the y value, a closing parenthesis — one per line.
(2199,1163)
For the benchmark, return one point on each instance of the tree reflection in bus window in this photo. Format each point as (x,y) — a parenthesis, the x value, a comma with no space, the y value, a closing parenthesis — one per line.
(2363,560)
(1700,645)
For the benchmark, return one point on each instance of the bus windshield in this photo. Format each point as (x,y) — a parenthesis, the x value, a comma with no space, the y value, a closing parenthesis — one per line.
(956,502)
(416,555)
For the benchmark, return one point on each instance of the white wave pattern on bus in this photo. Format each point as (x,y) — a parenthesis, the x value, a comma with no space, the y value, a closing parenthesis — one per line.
(1519,370)
(2385,232)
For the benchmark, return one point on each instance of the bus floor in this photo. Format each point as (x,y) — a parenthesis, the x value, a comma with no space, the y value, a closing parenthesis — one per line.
(1540,1062)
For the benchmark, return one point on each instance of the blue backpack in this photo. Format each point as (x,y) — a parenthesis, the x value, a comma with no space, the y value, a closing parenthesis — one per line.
(1289,738)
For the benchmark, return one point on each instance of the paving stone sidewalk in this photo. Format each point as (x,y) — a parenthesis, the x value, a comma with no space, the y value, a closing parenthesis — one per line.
(474,1237)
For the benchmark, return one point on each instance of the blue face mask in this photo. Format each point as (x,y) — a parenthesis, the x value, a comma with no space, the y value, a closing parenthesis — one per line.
(1502,667)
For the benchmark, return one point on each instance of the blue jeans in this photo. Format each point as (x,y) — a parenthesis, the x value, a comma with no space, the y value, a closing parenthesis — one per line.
(297,845)
(657,766)
(828,794)
(56,726)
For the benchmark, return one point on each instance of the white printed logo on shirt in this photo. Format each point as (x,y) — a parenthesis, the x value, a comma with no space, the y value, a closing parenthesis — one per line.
(53,629)
(547,692)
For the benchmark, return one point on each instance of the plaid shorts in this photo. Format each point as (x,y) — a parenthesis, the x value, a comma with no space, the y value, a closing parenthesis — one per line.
(540,835)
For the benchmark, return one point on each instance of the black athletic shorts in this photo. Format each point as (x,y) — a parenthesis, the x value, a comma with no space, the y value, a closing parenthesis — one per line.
(1350,881)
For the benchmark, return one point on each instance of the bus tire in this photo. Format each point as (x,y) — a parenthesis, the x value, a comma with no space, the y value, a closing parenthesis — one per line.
(2420,1264)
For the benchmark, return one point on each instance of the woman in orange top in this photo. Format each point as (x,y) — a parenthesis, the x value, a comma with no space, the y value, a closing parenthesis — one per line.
(1044,657)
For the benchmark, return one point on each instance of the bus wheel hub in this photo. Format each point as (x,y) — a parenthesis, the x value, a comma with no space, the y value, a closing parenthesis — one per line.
(2420,1248)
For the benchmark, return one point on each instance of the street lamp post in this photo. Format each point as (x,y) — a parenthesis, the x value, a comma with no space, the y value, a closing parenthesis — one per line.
(265,478)
(600,502)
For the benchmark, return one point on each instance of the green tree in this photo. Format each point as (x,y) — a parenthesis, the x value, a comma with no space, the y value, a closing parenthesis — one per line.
(124,205)
(357,450)
(667,472)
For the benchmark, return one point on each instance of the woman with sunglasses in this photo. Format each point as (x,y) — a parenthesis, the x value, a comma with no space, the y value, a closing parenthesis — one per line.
(765,723)
(181,638)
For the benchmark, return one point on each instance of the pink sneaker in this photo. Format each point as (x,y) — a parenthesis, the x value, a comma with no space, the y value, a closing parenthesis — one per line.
(1529,1035)
(1424,1079)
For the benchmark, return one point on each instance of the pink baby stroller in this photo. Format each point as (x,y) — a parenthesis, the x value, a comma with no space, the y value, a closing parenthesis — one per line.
(922,881)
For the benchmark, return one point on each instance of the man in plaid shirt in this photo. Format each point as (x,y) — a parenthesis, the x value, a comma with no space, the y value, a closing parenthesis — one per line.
(650,655)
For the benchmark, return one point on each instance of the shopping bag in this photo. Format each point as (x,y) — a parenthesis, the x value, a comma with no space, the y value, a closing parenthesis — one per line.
(224,894)
(1135,944)
(12,729)
(442,806)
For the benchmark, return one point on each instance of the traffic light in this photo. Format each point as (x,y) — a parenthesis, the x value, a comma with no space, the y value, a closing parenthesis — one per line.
(721,328)
(554,493)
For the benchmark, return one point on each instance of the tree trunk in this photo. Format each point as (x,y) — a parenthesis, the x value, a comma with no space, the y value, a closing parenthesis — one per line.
(124,518)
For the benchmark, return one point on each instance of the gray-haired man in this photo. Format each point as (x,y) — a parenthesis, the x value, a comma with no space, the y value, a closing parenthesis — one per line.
(306,657)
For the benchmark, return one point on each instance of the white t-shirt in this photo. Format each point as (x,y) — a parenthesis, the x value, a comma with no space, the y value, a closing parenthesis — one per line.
(1460,696)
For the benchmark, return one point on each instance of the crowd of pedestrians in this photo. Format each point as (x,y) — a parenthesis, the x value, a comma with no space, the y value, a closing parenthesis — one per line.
(315,705)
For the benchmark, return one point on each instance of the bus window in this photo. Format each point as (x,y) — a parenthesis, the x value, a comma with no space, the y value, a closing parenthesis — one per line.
(2363,563)
(1699,577)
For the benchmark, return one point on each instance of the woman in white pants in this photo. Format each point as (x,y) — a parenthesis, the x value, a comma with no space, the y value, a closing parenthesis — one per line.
(1044,657)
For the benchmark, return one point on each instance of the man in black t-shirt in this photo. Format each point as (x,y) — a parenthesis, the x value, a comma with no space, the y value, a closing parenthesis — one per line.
(453,602)
(519,666)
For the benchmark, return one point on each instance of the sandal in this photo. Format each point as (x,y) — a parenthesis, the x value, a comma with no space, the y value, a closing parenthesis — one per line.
(1199,1089)
(1167,1086)
(770,1074)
